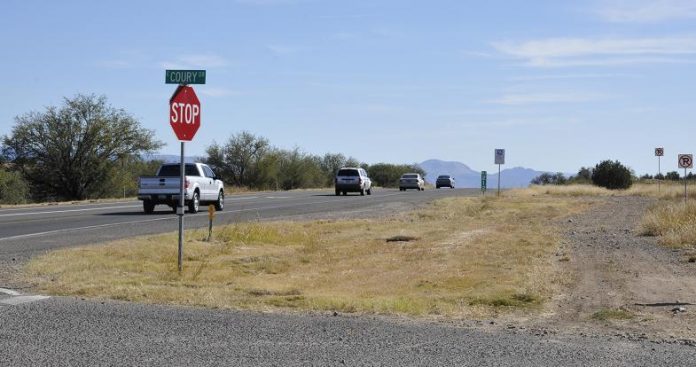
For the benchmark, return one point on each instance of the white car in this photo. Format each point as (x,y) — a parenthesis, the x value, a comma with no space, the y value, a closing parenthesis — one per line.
(352,179)
(411,181)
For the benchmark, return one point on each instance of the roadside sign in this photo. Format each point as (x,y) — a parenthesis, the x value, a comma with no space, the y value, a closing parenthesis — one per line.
(185,113)
(686,161)
(659,152)
(500,156)
(484,179)
(184,77)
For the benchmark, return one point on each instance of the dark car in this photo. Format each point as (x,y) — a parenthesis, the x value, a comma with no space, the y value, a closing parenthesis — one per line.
(444,181)
(352,179)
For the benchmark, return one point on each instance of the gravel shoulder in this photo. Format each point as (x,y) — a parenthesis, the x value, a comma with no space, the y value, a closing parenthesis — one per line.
(612,267)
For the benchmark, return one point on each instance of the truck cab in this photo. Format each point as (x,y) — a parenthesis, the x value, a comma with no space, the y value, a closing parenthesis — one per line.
(201,185)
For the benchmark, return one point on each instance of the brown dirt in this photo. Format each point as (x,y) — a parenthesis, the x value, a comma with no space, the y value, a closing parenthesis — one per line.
(611,266)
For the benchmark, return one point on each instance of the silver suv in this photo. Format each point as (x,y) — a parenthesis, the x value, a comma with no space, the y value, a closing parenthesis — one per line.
(352,179)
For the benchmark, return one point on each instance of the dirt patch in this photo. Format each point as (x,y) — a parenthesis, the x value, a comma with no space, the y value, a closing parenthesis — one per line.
(612,267)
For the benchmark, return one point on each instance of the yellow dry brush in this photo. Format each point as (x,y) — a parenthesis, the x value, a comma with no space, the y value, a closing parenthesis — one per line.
(457,257)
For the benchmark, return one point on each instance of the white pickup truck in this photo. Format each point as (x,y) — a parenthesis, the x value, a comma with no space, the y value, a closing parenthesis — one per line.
(201,186)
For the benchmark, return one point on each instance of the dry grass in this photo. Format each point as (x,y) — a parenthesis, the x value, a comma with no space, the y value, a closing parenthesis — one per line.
(464,257)
(612,314)
(667,190)
(674,222)
(563,191)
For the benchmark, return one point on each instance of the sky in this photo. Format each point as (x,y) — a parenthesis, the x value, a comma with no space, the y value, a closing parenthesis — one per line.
(558,84)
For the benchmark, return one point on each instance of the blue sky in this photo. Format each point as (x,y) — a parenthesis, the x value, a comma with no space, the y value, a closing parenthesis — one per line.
(558,84)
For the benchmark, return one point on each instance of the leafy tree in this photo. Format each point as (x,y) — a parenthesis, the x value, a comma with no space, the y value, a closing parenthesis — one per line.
(387,174)
(673,176)
(238,160)
(13,188)
(70,151)
(550,179)
(330,164)
(659,176)
(612,175)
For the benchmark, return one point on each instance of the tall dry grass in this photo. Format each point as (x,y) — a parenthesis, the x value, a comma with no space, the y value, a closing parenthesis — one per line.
(461,257)
(674,222)
(667,190)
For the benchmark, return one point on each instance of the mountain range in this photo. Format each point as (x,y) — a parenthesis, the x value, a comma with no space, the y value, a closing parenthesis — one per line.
(464,176)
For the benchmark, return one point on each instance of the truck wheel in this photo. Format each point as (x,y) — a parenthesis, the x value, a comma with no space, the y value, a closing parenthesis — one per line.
(194,203)
(148,207)
(220,203)
(338,192)
(362,192)
(369,191)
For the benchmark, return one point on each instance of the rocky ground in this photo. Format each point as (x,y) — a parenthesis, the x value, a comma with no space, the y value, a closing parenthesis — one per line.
(612,267)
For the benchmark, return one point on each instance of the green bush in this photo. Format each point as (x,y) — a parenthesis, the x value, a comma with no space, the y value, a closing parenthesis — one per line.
(13,188)
(612,175)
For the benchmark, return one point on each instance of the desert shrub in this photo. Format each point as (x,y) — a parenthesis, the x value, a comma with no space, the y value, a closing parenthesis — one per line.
(13,188)
(613,175)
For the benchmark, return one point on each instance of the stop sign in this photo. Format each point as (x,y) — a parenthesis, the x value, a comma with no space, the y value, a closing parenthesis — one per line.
(185,113)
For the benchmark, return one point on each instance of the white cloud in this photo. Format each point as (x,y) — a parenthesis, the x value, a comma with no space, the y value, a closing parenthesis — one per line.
(563,52)
(539,98)
(647,11)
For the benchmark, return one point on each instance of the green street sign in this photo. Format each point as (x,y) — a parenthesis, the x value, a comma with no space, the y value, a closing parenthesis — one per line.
(484,179)
(185,77)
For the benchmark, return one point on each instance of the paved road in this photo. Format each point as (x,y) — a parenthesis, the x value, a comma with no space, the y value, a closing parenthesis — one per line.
(68,331)
(25,231)
(71,332)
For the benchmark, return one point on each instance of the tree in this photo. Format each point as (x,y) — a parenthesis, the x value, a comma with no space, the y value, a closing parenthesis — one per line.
(70,151)
(330,164)
(13,188)
(387,174)
(612,175)
(550,179)
(672,176)
(238,160)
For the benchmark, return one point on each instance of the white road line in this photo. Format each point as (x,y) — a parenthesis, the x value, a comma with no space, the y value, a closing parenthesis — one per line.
(14,301)
(161,219)
(61,205)
(37,234)
(68,211)
(9,292)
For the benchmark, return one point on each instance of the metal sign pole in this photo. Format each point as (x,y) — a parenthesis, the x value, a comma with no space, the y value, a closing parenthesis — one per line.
(498,180)
(685,196)
(659,174)
(180,211)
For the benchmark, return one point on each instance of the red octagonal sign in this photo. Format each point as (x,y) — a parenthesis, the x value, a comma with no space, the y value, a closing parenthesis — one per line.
(185,113)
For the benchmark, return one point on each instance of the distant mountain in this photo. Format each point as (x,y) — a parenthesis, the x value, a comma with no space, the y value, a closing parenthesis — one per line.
(463,175)
(467,177)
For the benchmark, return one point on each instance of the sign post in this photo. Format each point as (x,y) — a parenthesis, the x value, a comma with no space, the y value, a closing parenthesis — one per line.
(185,119)
(484,178)
(686,161)
(211,216)
(499,159)
(659,152)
